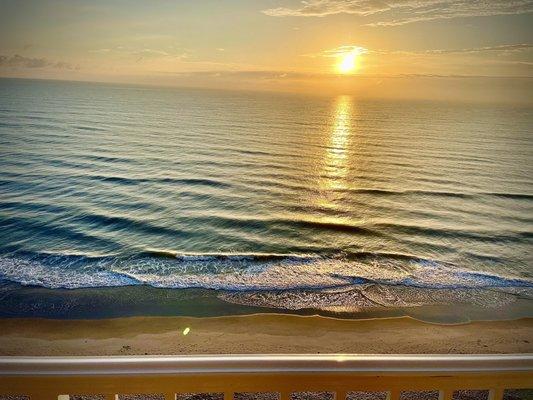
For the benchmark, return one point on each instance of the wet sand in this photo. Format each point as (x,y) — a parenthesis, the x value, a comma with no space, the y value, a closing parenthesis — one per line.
(264,333)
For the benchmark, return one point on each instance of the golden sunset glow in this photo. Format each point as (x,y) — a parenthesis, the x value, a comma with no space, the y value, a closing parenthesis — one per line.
(368,49)
(339,190)
(348,62)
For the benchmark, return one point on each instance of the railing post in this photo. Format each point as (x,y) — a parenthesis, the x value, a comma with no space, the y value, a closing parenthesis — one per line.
(170,396)
(228,395)
(496,394)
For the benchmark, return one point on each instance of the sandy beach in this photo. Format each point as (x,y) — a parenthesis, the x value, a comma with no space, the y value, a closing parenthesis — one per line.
(270,333)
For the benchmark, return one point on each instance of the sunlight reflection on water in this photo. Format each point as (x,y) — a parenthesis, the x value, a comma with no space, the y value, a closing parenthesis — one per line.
(336,160)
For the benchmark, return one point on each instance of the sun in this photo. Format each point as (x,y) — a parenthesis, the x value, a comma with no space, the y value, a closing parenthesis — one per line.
(348,62)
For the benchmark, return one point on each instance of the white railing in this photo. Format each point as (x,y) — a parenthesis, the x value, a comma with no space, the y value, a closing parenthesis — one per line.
(50,377)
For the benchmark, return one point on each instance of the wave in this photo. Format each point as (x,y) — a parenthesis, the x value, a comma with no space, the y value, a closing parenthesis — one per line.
(89,128)
(385,192)
(435,193)
(121,180)
(453,233)
(247,272)
(123,222)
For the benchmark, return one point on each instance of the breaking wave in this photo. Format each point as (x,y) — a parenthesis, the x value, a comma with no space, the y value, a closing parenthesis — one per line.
(246,271)
(342,283)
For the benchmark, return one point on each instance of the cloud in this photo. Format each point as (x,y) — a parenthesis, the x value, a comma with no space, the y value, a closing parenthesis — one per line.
(510,59)
(140,54)
(100,51)
(502,48)
(400,12)
(338,51)
(321,8)
(267,75)
(248,74)
(150,53)
(19,61)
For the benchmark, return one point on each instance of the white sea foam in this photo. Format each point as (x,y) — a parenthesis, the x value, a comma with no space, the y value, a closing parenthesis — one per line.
(370,296)
(245,272)
(39,273)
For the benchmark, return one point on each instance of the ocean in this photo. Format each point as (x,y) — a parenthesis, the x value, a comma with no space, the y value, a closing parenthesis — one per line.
(123,200)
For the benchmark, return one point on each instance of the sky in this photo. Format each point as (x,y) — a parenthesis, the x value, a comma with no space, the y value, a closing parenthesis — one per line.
(471,49)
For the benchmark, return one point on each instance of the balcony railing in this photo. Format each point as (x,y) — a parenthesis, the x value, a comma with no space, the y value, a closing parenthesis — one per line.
(51,377)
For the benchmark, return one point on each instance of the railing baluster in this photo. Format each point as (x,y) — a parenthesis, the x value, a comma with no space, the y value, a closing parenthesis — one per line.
(40,396)
(340,395)
(170,396)
(228,395)
(496,394)
(446,394)
(394,394)
(285,396)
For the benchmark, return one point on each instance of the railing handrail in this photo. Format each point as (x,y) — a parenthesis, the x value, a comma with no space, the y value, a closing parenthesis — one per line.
(275,363)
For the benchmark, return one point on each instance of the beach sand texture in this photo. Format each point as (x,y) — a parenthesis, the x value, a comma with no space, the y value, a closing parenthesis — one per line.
(270,333)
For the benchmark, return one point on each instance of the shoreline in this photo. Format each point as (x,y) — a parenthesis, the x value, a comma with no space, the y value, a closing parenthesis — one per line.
(259,333)
(19,301)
